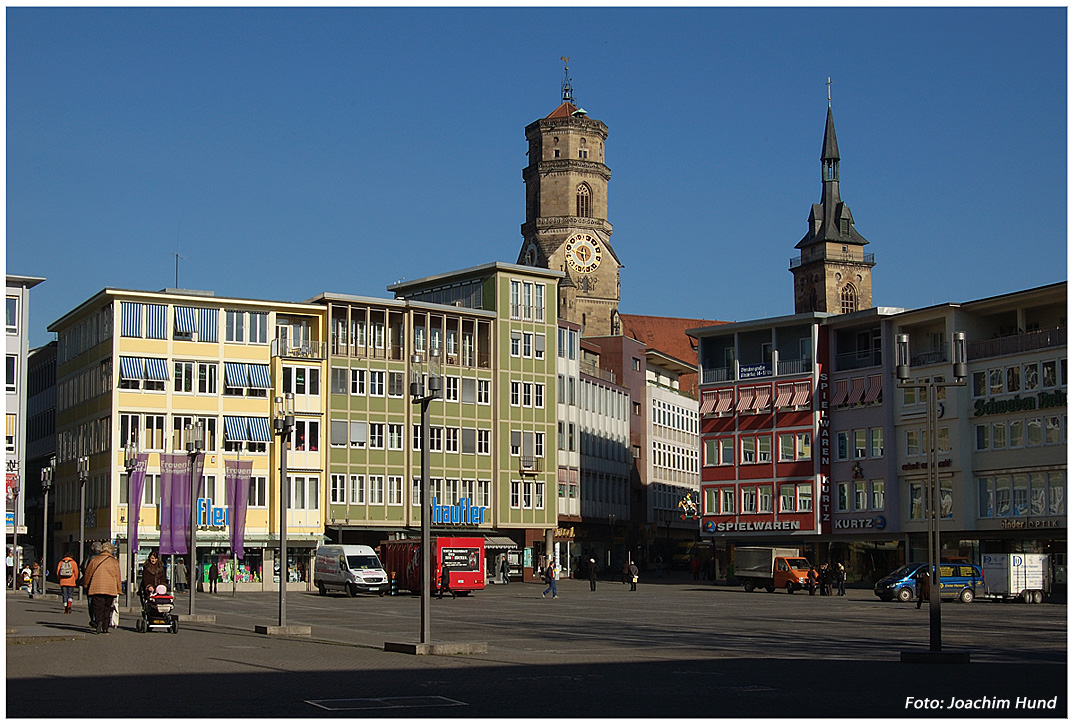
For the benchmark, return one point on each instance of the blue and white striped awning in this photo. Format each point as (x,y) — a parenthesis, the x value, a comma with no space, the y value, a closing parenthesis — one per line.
(235,375)
(207,324)
(259,375)
(259,430)
(156,368)
(156,324)
(235,428)
(186,319)
(132,319)
(131,368)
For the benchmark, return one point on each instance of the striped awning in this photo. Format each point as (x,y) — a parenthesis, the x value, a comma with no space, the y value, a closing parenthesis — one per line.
(857,391)
(259,375)
(12,423)
(783,395)
(131,368)
(132,319)
(235,375)
(726,398)
(801,394)
(708,402)
(208,325)
(156,323)
(872,393)
(500,542)
(842,387)
(156,368)
(186,319)
(235,428)
(745,399)
(764,395)
(259,429)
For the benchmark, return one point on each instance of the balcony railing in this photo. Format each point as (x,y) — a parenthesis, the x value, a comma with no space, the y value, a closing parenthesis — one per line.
(1013,344)
(929,357)
(835,257)
(794,367)
(715,375)
(593,371)
(311,350)
(529,465)
(858,359)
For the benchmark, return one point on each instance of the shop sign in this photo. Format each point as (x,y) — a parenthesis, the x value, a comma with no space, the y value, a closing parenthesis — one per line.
(461,513)
(564,533)
(209,515)
(1030,524)
(878,522)
(759,526)
(761,370)
(1058,399)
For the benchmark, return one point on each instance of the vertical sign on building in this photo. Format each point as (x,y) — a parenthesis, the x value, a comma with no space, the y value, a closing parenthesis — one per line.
(824,432)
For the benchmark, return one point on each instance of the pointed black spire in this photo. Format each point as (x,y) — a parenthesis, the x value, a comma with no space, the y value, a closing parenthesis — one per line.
(831,146)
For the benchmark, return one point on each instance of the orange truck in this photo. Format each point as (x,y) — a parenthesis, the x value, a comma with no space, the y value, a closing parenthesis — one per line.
(771,568)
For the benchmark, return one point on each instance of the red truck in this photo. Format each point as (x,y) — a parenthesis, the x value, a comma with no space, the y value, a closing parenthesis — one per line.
(462,557)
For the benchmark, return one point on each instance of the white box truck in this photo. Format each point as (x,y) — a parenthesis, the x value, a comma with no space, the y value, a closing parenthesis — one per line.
(1016,576)
(770,568)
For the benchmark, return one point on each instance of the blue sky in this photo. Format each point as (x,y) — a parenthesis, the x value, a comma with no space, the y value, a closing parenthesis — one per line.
(287,152)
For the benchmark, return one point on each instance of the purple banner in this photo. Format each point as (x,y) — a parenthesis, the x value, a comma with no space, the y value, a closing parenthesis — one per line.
(237,494)
(135,504)
(174,503)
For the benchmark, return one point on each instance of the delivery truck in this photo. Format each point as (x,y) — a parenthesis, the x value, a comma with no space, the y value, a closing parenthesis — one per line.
(771,568)
(350,569)
(460,559)
(1026,577)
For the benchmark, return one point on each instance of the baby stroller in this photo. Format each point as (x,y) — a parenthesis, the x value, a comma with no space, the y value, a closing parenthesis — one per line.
(157,611)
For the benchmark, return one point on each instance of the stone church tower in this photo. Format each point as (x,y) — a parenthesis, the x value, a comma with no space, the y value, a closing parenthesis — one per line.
(833,273)
(567,215)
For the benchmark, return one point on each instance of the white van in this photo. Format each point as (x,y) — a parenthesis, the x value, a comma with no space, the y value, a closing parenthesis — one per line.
(348,568)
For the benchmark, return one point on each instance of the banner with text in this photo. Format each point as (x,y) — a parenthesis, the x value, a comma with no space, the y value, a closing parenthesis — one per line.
(237,476)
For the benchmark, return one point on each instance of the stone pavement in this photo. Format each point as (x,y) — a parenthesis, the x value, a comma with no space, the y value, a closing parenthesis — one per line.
(673,649)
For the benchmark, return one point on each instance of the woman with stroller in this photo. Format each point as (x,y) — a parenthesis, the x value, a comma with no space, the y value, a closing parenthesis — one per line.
(153,574)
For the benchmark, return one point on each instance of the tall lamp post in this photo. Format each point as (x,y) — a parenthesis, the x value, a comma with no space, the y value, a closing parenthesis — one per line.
(130,461)
(423,390)
(284,423)
(46,485)
(83,474)
(15,540)
(195,444)
(932,496)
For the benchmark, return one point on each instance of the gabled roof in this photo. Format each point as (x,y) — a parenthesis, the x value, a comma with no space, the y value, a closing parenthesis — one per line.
(565,110)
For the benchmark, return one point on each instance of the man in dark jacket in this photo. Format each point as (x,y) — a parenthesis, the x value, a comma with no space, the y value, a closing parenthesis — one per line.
(592,575)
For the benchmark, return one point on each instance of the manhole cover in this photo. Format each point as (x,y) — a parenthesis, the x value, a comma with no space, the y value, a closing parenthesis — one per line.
(383,703)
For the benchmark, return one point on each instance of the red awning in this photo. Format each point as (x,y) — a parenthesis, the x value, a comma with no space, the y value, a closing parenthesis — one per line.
(764,394)
(842,387)
(872,393)
(783,395)
(708,401)
(727,396)
(801,394)
(745,399)
(857,390)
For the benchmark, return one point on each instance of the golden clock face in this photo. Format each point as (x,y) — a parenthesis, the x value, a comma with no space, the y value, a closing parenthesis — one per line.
(583,252)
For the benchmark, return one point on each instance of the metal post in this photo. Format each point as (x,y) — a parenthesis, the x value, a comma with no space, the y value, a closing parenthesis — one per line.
(83,474)
(426,539)
(132,517)
(284,494)
(934,544)
(195,443)
(15,542)
(46,484)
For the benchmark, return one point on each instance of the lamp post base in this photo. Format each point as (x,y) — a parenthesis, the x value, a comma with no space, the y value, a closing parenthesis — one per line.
(438,648)
(943,657)
(288,630)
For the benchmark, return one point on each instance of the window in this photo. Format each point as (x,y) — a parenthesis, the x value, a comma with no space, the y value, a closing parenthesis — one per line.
(848,299)
(859,443)
(451,440)
(786,446)
(376,383)
(861,498)
(805,497)
(842,443)
(337,491)
(207,374)
(12,373)
(12,310)
(337,433)
(764,499)
(876,442)
(258,487)
(484,438)
(154,433)
(786,497)
(184,377)
(538,395)
(913,443)
(376,435)
(842,496)
(749,500)
(436,439)
(727,501)
(516,399)
(727,451)
(306,435)
(357,492)
(357,382)
(764,450)
(395,436)
(538,339)
(376,490)
(397,386)
(527,395)
(483,392)
(468,393)
(516,344)
(234,326)
(516,499)
(583,204)
(527,494)
(395,490)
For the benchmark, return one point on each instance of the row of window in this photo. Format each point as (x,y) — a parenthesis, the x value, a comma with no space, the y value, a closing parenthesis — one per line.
(732,500)
(568,343)
(527,301)
(377,383)
(1024,494)
(527,494)
(527,344)
(1024,377)
(389,436)
(196,324)
(758,449)
(859,496)
(360,490)
(675,417)
(999,435)
(527,395)
(675,458)
(858,444)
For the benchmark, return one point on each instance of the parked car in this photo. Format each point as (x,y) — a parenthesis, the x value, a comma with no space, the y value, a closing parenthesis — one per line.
(957,581)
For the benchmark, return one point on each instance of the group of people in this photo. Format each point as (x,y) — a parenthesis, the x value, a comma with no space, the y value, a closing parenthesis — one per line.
(824,579)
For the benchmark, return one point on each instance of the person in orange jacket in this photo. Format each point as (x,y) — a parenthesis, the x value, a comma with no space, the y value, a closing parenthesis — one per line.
(67,573)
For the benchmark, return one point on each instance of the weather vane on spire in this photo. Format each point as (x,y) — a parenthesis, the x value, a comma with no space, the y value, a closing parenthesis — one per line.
(829,84)
(568,92)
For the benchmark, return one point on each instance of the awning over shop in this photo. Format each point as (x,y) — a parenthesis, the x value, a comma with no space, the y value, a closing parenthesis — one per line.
(500,542)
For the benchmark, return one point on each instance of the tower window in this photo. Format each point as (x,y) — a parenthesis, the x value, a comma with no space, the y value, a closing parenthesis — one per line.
(848,299)
(583,154)
(555,154)
(844,227)
(583,198)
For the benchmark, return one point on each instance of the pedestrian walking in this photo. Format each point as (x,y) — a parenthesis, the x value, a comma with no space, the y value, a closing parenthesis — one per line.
(841,579)
(180,576)
(37,585)
(102,583)
(67,572)
(550,579)
(94,550)
(214,576)
(592,575)
(152,574)
(633,571)
(811,578)
(10,566)
(825,580)
(505,570)
(445,583)
(923,585)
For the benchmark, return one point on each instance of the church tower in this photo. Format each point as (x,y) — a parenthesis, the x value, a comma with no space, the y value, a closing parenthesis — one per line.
(833,273)
(566,224)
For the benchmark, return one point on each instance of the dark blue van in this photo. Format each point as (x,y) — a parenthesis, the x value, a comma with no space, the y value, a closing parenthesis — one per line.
(957,581)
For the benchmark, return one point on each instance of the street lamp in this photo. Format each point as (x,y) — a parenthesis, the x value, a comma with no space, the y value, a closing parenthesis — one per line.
(195,444)
(284,423)
(46,484)
(130,461)
(83,474)
(932,496)
(15,540)
(424,388)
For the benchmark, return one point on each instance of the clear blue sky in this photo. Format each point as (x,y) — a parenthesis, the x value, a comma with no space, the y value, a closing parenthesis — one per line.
(290,152)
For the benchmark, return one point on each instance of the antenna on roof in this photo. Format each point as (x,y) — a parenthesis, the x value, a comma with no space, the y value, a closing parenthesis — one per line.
(568,92)
(177,255)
